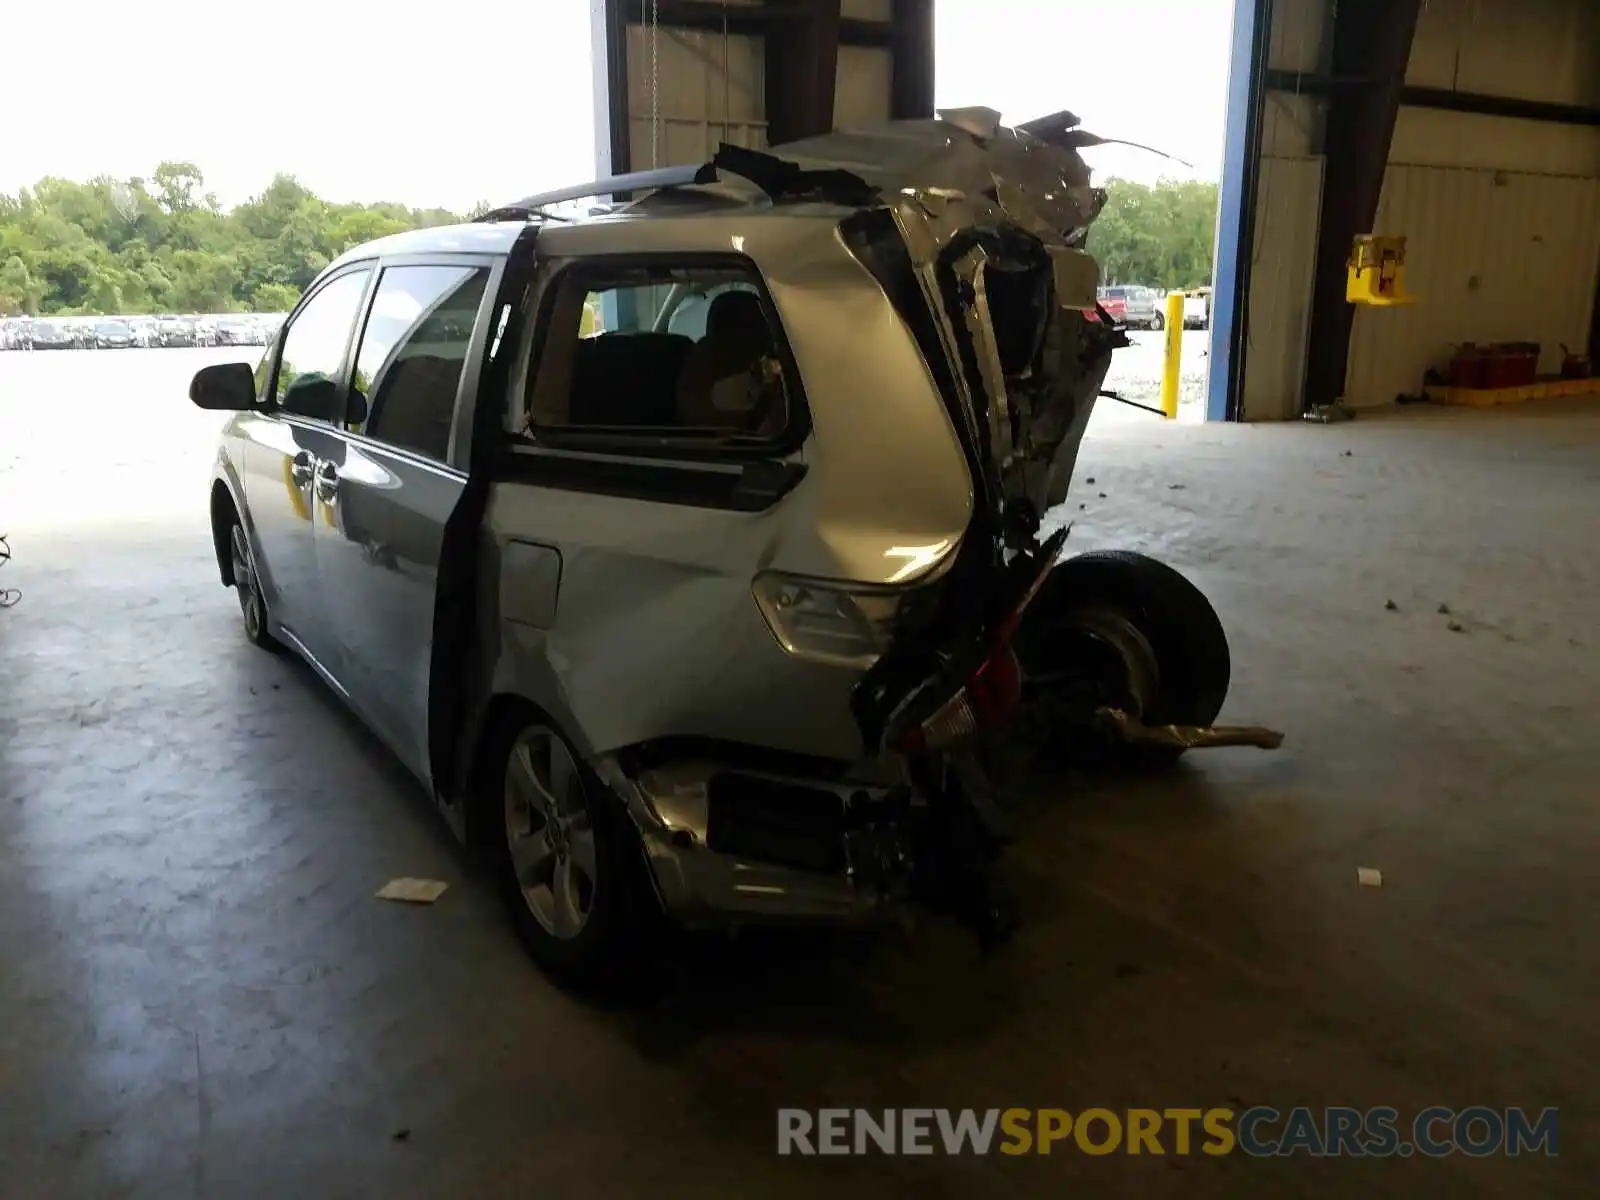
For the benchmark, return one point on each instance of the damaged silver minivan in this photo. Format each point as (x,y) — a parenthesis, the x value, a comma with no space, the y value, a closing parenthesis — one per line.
(690,549)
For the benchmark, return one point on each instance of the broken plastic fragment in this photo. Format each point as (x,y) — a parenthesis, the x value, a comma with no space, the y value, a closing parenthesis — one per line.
(412,891)
(1369,877)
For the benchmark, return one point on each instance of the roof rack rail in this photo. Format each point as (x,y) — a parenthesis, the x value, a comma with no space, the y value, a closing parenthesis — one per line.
(636,181)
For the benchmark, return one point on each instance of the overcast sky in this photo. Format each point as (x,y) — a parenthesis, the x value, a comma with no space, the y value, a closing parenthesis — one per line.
(362,103)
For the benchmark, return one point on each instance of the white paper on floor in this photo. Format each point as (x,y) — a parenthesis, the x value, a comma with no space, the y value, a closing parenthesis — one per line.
(412,891)
(1369,877)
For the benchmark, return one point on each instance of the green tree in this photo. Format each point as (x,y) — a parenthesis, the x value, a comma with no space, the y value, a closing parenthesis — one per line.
(20,292)
(1159,236)
(163,243)
(274,297)
(176,184)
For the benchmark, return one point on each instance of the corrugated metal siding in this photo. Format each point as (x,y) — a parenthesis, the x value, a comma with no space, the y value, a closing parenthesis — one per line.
(1429,137)
(1288,121)
(709,90)
(1492,256)
(1296,42)
(1280,286)
(861,92)
(1531,49)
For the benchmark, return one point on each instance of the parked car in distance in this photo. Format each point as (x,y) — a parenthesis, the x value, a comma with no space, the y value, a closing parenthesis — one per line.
(51,335)
(144,331)
(1116,306)
(114,335)
(1197,308)
(1130,305)
(14,333)
(236,331)
(703,610)
(1142,307)
(175,331)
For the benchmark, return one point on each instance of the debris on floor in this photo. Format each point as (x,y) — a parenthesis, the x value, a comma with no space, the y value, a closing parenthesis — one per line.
(1369,877)
(412,891)
(1444,609)
(1391,606)
(1455,627)
(1132,731)
(400,1135)
(1327,414)
(1175,487)
(1348,454)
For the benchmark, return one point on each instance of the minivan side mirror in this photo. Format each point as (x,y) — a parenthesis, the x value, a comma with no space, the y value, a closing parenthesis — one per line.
(313,395)
(230,387)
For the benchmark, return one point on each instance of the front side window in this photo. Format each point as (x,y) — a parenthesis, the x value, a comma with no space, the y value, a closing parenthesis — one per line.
(683,352)
(315,341)
(413,351)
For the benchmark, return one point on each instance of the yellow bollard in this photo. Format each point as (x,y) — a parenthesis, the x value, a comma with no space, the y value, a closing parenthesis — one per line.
(1172,368)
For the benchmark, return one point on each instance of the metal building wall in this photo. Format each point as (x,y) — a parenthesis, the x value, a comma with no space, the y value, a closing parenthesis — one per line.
(1502,216)
(1500,213)
(1288,199)
(1493,256)
(690,89)
(1280,285)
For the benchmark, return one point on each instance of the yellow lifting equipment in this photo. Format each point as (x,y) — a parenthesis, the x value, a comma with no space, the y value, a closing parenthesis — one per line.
(1377,272)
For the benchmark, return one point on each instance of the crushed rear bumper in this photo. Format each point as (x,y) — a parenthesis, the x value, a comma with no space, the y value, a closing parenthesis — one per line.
(730,845)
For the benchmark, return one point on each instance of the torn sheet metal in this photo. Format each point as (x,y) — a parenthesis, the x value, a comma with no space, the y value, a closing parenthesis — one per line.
(1184,737)
(963,170)
(994,220)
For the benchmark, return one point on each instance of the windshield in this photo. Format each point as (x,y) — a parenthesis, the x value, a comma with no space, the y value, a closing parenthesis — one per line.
(46,327)
(111,327)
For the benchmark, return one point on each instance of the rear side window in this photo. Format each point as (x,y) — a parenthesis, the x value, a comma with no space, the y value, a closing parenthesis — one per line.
(413,351)
(315,341)
(686,352)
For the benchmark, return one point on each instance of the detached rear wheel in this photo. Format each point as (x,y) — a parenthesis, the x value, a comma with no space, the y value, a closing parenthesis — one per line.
(570,866)
(1121,629)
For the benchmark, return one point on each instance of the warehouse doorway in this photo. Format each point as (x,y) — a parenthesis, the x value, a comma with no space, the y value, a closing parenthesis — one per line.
(1158,232)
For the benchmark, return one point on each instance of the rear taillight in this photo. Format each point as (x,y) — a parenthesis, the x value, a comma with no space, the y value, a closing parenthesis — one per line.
(983,703)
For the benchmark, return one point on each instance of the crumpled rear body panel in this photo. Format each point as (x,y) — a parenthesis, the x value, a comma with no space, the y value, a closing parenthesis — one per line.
(994,220)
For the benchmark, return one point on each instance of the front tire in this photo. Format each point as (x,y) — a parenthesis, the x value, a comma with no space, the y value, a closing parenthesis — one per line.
(1157,323)
(568,860)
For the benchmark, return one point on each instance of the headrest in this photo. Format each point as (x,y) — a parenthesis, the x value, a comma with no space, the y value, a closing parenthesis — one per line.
(736,313)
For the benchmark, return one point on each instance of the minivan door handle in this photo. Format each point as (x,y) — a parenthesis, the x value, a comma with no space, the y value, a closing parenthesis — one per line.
(302,468)
(327,482)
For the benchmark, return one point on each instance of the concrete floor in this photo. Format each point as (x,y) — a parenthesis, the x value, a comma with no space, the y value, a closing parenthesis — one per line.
(199,995)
